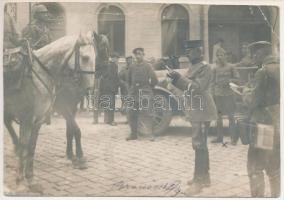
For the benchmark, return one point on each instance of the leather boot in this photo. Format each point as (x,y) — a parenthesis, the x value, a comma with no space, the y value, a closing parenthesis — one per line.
(257,185)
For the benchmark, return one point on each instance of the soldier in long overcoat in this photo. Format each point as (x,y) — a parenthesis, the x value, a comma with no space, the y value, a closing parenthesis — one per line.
(263,101)
(200,109)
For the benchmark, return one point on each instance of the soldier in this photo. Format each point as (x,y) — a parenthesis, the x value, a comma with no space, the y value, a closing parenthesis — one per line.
(37,32)
(223,74)
(200,111)
(123,75)
(141,80)
(109,88)
(11,34)
(264,107)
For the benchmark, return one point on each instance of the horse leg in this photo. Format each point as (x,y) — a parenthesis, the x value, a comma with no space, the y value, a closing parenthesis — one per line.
(25,134)
(30,160)
(12,132)
(69,137)
(80,160)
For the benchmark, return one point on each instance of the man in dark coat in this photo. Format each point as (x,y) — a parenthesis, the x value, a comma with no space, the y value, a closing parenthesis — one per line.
(123,84)
(200,109)
(263,102)
(109,88)
(38,32)
(141,81)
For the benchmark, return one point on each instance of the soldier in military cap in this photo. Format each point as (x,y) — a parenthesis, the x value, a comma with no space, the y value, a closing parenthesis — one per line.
(141,80)
(263,101)
(200,111)
(38,32)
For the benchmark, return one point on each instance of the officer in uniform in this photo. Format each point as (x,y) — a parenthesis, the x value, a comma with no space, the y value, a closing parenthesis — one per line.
(141,80)
(109,88)
(37,32)
(200,109)
(264,107)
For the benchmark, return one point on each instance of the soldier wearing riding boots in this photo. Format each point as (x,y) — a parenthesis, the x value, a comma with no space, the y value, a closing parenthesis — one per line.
(263,103)
(38,32)
(141,81)
(109,88)
(200,111)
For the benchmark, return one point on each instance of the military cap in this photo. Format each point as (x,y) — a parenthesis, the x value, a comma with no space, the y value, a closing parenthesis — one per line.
(258,45)
(138,49)
(39,8)
(189,44)
(114,55)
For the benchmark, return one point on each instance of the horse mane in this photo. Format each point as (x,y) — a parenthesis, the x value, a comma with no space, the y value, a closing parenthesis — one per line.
(57,47)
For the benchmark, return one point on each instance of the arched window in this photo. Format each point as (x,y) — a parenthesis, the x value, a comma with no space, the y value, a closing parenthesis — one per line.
(111,22)
(175,30)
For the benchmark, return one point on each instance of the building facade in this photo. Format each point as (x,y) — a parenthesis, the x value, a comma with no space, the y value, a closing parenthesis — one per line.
(160,28)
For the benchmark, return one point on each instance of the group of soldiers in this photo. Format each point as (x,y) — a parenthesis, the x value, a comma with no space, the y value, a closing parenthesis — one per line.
(212,83)
(262,97)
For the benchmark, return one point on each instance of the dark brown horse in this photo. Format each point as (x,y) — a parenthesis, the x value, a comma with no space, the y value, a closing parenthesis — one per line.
(30,91)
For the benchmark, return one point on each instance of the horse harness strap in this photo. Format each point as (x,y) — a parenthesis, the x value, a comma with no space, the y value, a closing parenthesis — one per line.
(77,62)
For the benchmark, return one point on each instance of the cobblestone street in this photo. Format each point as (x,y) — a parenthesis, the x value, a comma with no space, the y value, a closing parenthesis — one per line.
(134,168)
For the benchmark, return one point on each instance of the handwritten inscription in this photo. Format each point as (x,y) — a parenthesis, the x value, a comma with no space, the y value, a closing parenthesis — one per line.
(174,186)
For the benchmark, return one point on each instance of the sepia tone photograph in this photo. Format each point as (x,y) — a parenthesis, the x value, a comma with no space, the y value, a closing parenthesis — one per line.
(141,99)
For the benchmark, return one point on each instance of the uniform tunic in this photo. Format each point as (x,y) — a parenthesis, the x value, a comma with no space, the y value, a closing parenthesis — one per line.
(223,94)
(202,107)
(141,78)
(263,101)
(38,34)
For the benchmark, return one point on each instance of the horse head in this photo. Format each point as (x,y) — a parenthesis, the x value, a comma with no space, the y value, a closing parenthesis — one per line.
(102,47)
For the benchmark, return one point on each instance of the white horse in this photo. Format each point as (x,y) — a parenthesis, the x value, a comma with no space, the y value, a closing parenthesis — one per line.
(30,91)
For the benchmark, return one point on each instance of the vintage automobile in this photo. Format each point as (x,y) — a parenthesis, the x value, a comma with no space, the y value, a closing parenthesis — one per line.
(167,102)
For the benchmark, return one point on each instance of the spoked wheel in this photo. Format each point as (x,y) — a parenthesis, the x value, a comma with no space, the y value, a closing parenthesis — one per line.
(157,121)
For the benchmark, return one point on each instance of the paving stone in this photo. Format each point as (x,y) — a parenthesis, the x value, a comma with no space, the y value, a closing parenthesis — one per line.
(113,162)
